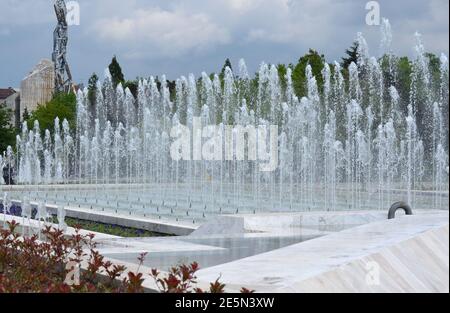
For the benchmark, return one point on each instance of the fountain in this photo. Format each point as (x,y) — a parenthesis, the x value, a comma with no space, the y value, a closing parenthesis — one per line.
(352,146)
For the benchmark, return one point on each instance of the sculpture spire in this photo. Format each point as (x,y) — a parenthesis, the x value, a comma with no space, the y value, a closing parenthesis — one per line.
(63,77)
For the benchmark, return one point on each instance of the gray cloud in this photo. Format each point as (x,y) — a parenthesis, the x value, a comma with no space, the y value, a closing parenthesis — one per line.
(181,36)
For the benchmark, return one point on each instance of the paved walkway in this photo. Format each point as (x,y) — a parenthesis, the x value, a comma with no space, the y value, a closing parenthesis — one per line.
(410,254)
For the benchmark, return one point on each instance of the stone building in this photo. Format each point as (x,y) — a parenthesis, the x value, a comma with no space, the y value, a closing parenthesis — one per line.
(37,87)
(11,98)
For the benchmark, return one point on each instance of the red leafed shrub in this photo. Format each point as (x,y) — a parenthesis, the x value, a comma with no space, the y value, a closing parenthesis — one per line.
(182,279)
(30,265)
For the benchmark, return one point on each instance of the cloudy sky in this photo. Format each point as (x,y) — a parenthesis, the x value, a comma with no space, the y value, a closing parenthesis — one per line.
(177,37)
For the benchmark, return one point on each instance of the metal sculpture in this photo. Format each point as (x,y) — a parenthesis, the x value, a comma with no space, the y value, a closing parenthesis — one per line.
(63,77)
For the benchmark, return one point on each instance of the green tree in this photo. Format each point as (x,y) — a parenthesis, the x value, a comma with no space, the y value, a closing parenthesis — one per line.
(7,133)
(316,62)
(282,71)
(222,72)
(227,64)
(116,72)
(62,106)
(92,88)
(25,115)
(133,86)
(403,81)
(435,73)
(351,56)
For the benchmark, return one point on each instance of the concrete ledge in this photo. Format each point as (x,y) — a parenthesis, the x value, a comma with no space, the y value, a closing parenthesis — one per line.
(221,225)
(412,253)
(130,221)
(280,223)
(35,226)
(420,264)
(148,224)
(322,220)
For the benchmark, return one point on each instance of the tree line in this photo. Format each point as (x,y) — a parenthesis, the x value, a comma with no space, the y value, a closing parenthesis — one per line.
(398,70)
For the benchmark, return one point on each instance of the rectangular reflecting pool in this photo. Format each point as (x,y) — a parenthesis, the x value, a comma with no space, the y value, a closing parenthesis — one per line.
(207,252)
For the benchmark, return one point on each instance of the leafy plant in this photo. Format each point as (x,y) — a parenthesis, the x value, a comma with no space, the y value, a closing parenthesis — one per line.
(182,279)
(33,266)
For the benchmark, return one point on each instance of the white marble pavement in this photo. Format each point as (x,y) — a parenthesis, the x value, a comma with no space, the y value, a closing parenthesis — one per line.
(410,254)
